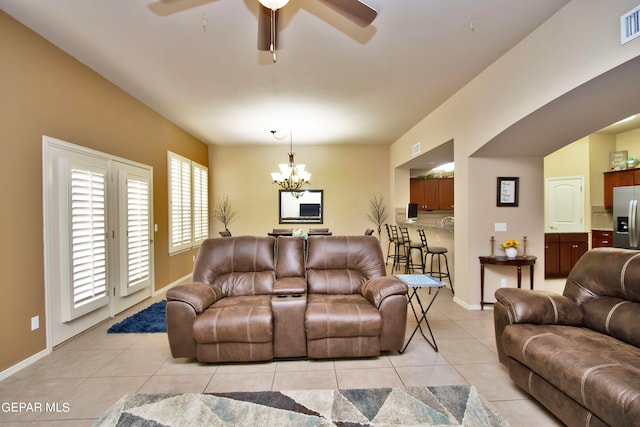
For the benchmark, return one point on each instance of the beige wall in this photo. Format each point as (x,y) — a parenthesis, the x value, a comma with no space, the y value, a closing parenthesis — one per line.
(572,160)
(559,84)
(349,175)
(525,220)
(46,92)
(629,141)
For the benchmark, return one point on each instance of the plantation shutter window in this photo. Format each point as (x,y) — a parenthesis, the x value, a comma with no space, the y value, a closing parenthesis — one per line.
(180,236)
(188,203)
(87,233)
(200,203)
(135,229)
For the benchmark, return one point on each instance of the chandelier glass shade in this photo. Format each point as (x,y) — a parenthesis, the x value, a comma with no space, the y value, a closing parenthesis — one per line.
(273,4)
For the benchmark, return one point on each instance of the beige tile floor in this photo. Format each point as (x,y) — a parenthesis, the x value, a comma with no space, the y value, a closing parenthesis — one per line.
(86,375)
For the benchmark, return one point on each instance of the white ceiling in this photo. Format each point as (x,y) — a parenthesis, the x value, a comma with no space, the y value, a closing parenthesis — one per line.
(196,62)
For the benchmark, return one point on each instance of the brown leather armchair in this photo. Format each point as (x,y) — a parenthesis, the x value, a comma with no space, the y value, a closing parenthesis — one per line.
(578,353)
(255,299)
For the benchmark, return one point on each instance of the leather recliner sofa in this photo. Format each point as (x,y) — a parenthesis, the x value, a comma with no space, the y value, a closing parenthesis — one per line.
(260,298)
(578,353)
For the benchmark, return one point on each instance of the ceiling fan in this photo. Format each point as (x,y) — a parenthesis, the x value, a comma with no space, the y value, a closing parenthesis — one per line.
(357,11)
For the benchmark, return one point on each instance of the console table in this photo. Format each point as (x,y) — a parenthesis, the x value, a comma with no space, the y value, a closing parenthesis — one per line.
(503,260)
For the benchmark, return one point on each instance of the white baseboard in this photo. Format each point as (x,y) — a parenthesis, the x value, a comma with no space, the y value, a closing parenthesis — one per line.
(183,279)
(23,364)
(470,307)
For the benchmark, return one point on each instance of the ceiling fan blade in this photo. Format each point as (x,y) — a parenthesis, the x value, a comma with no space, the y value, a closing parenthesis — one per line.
(265,32)
(357,11)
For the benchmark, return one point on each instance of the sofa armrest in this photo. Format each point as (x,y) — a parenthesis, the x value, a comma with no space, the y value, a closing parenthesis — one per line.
(379,288)
(290,286)
(539,307)
(515,306)
(198,295)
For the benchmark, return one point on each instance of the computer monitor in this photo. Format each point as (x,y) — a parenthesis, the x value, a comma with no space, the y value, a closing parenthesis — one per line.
(412,212)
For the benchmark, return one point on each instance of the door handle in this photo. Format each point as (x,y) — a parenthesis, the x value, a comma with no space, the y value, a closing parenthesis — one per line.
(633,236)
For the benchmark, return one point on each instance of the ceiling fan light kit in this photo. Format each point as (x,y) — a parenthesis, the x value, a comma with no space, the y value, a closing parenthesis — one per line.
(273,4)
(356,10)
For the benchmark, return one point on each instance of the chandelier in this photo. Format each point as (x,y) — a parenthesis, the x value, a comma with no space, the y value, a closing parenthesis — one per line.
(291,176)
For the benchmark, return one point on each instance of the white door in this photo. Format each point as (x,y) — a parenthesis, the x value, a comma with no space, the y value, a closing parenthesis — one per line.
(98,250)
(131,234)
(565,204)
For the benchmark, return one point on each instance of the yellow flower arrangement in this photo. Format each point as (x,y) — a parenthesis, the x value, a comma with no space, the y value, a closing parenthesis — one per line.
(510,243)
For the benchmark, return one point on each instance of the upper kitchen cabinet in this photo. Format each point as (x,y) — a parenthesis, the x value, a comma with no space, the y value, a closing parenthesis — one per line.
(621,178)
(432,193)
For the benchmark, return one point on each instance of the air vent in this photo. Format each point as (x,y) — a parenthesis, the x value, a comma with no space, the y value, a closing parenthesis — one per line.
(415,148)
(630,25)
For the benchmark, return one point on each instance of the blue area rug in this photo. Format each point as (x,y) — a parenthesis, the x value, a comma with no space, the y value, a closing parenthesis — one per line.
(151,319)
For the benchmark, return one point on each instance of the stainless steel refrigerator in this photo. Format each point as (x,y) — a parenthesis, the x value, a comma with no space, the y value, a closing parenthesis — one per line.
(626,224)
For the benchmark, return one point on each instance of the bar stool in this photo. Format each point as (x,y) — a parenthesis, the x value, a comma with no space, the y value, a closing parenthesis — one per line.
(439,252)
(399,256)
(409,247)
(390,244)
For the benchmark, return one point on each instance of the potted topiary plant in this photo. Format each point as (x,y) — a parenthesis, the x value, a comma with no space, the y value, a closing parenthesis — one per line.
(378,212)
(224,212)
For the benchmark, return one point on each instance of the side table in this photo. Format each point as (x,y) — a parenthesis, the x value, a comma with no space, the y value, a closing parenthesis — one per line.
(503,260)
(415,282)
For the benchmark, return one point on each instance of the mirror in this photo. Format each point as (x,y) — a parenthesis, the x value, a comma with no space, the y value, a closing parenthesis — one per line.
(301,207)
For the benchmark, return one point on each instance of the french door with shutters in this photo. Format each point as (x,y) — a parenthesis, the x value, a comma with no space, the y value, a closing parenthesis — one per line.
(98,237)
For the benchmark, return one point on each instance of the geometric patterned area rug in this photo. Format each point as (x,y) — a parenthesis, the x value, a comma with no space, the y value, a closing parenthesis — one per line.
(414,406)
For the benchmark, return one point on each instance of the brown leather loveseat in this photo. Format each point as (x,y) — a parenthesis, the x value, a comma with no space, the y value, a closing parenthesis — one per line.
(578,353)
(260,298)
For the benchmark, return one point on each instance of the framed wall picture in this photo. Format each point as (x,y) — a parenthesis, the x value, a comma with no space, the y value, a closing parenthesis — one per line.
(507,192)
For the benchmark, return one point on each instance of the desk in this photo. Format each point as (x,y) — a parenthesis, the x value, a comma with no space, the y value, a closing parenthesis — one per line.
(415,282)
(503,260)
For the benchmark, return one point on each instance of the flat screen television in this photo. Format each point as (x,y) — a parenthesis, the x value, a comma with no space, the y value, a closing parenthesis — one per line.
(309,210)
(412,212)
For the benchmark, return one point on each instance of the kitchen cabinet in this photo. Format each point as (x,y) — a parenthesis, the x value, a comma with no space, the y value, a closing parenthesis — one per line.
(601,239)
(432,193)
(562,251)
(621,178)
